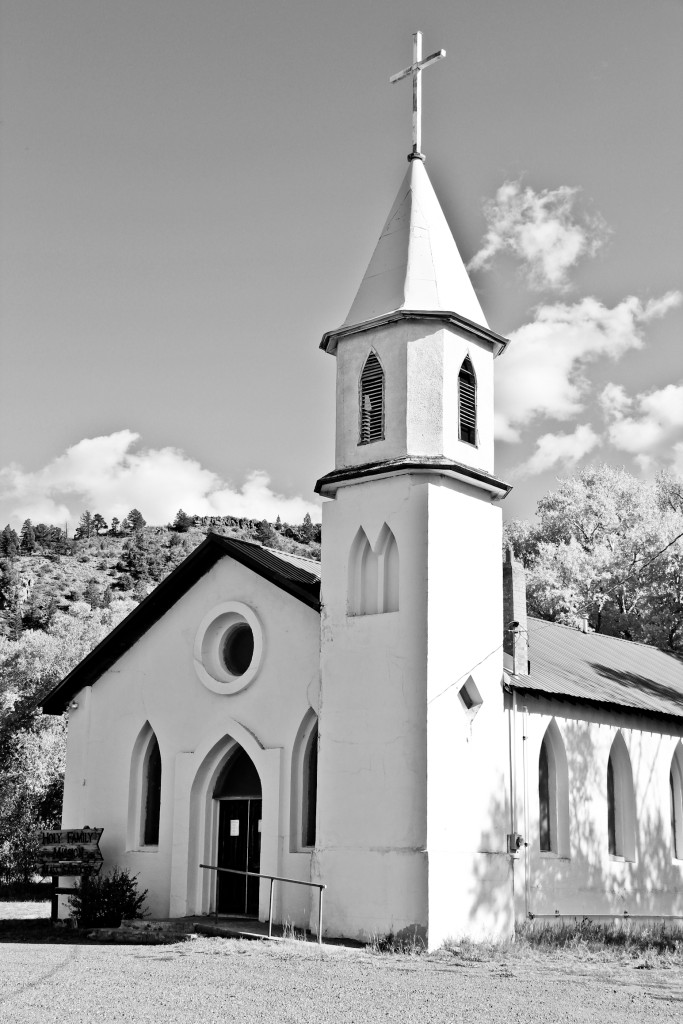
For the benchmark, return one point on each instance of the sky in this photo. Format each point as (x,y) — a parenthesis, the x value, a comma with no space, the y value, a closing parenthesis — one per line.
(191,192)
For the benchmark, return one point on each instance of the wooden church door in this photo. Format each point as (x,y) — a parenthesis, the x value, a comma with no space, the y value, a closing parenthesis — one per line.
(239,836)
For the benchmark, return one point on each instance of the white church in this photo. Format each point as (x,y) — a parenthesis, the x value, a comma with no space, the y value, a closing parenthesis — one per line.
(388,722)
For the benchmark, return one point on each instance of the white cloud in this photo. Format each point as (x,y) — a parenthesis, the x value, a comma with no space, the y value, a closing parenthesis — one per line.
(105,475)
(559,449)
(649,425)
(541,230)
(542,371)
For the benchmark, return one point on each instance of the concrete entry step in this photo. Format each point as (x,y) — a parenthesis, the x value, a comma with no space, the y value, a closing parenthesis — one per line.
(248,928)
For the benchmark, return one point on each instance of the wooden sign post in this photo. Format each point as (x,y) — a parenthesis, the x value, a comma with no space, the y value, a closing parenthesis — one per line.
(69,852)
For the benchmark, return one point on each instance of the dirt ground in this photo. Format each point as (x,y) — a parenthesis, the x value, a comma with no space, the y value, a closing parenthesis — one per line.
(215,979)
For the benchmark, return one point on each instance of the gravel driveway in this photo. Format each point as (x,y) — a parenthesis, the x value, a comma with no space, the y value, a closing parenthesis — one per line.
(208,979)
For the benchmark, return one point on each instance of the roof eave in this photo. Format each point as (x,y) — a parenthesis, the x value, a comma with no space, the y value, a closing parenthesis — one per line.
(603,705)
(331,338)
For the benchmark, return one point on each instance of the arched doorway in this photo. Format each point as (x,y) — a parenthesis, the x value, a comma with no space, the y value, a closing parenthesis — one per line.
(238,791)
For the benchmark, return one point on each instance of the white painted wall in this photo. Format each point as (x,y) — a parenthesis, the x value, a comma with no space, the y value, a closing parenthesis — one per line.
(469,868)
(409,794)
(155,681)
(590,880)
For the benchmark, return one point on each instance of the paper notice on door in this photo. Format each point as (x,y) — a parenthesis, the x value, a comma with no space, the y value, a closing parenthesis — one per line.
(234,826)
(259,824)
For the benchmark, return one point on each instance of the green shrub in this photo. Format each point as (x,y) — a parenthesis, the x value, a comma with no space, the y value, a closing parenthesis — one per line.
(103,901)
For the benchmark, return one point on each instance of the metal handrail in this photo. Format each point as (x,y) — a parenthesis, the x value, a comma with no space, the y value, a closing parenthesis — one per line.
(274,878)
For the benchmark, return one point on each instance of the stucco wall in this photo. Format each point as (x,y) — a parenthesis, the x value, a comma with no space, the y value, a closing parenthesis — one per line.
(412,794)
(469,868)
(421,370)
(155,682)
(589,880)
(372,768)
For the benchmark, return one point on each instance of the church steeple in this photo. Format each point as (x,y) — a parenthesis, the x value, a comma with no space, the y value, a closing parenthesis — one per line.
(416,264)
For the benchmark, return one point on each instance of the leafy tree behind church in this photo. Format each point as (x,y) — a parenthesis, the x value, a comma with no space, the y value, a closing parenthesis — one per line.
(609,546)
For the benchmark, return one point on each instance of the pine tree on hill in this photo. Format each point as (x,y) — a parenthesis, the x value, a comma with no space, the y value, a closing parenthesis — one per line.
(9,543)
(134,521)
(182,522)
(85,528)
(99,523)
(28,538)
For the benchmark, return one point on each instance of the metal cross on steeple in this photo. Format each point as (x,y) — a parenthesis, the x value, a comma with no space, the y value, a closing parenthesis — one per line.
(415,70)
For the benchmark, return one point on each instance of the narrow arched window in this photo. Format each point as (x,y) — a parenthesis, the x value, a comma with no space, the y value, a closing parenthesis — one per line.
(467,402)
(553,793)
(152,794)
(545,817)
(676,800)
(310,789)
(371,401)
(621,819)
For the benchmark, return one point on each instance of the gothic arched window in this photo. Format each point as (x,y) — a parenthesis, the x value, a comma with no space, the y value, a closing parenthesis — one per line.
(553,793)
(310,789)
(152,794)
(371,401)
(621,816)
(304,784)
(467,402)
(144,802)
(676,797)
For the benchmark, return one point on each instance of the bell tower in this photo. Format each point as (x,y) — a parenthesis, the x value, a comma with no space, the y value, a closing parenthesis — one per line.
(410,778)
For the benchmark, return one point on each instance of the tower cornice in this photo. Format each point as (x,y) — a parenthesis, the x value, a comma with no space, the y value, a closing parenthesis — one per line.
(331,338)
(328,485)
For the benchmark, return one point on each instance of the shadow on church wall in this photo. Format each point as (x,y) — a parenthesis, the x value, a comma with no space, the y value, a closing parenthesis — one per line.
(590,880)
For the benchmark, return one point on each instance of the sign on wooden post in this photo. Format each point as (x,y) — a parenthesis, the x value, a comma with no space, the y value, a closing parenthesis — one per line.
(73,851)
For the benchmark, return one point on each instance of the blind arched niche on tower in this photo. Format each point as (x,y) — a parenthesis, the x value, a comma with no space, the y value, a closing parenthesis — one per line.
(467,402)
(371,401)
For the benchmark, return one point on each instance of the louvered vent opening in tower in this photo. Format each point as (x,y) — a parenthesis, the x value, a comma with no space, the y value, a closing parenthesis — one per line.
(467,396)
(371,401)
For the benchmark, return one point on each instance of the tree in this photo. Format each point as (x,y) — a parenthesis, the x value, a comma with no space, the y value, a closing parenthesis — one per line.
(32,746)
(99,524)
(115,525)
(604,545)
(133,521)
(91,594)
(28,538)
(264,532)
(9,543)
(182,522)
(85,528)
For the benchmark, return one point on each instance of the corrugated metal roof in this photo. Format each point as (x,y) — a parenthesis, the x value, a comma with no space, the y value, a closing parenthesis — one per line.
(598,669)
(308,566)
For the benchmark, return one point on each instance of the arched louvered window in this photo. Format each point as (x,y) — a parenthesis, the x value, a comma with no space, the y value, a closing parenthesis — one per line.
(467,399)
(371,401)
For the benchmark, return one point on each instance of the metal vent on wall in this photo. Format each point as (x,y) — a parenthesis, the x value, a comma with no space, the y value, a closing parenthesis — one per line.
(467,396)
(371,401)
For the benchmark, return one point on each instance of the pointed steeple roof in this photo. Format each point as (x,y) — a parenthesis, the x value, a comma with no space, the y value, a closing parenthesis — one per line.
(415,268)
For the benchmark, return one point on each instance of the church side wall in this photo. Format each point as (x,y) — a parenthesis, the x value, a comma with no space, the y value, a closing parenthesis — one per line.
(588,879)
(470,885)
(155,682)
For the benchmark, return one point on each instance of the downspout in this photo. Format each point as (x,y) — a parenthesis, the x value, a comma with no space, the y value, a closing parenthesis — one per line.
(527,847)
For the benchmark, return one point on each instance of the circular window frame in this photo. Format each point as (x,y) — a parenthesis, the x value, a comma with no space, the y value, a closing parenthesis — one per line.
(210,640)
